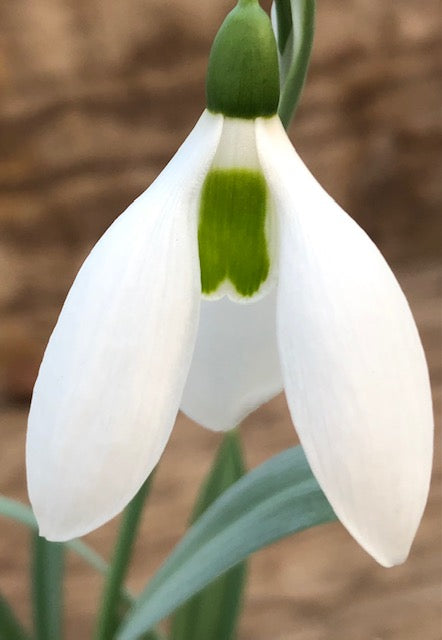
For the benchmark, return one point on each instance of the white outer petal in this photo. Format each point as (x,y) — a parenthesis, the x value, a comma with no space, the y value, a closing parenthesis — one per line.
(235,366)
(354,370)
(113,372)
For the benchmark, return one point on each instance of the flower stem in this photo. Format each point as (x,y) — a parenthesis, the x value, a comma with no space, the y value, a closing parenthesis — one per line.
(110,610)
(297,49)
(284,22)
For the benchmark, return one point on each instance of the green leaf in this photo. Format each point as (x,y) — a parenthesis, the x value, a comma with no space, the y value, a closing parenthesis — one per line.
(22,514)
(295,50)
(227,469)
(213,613)
(274,500)
(10,627)
(110,611)
(47,587)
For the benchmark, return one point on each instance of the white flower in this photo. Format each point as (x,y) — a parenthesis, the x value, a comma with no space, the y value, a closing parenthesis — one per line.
(294,294)
(334,327)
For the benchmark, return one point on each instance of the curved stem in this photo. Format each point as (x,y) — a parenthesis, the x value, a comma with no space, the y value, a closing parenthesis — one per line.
(283,22)
(301,42)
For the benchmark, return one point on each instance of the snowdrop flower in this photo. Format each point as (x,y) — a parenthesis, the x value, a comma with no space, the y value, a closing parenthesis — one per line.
(234,275)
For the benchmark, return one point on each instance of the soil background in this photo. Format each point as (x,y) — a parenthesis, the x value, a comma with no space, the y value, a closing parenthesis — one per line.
(96,95)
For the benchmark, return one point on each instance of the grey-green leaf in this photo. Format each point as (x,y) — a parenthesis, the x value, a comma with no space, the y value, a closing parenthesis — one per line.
(22,514)
(10,626)
(276,499)
(110,611)
(47,588)
(17,511)
(213,613)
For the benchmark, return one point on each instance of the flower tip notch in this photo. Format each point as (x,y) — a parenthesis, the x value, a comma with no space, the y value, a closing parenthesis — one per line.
(243,72)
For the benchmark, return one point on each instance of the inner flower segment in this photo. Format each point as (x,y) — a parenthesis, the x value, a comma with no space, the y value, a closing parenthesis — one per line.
(234,221)
(231,235)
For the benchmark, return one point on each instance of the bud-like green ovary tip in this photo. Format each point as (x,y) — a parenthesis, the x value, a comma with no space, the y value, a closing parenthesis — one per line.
(232,231)
(243,75)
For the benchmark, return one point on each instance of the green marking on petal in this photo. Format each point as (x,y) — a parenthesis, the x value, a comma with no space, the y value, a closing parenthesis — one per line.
(232,230)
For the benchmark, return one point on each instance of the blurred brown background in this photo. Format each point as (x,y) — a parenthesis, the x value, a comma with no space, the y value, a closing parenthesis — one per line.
(95,97)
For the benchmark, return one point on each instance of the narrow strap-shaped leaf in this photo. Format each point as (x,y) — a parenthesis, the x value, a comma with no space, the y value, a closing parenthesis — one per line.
(212,614)
(296,50)
(23,514)
(276,499)
(10,626)
(17,511)
(226,470)
(110,611)
(47,588)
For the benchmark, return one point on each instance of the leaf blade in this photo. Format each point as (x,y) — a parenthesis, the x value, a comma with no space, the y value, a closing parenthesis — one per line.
(110,612)
(21,513)
(213,613)
(10,626)
(276,499)
(47,573)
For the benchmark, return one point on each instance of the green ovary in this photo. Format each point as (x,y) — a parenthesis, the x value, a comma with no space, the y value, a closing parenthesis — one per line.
(232,230)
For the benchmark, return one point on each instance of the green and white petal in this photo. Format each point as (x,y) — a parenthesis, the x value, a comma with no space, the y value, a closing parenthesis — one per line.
(113,373)
(235,366)
(236,232)
(354,370)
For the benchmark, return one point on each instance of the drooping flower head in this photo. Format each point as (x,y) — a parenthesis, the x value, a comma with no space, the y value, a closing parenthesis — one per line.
(234,275)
